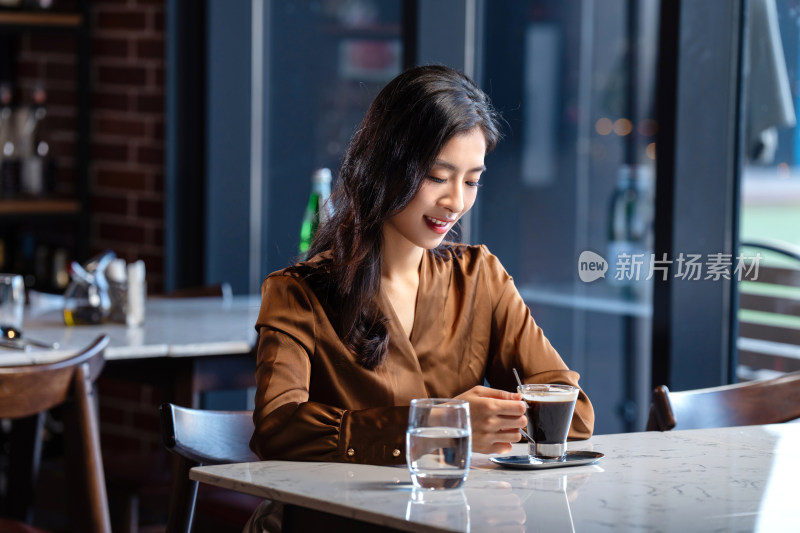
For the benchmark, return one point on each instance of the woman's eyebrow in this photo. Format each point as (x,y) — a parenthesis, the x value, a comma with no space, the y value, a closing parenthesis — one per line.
(450,166)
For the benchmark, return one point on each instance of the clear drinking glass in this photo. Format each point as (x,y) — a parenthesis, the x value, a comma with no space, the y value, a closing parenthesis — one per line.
(438,443)
(12,301)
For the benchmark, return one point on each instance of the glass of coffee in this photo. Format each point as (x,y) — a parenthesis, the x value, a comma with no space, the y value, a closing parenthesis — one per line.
(550,409)
(438,443)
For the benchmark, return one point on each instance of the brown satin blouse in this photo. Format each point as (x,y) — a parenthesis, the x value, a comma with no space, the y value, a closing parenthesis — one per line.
(314,402)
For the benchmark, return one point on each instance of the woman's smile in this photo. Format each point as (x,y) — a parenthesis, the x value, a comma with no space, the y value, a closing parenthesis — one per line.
(438,225)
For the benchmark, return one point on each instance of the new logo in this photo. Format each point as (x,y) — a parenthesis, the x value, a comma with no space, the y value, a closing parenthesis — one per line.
(591,266)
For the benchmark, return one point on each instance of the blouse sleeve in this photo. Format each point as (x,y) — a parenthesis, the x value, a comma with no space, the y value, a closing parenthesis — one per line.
(287,425)
(518,342)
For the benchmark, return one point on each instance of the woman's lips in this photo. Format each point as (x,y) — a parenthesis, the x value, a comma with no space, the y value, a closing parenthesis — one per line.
(438,225)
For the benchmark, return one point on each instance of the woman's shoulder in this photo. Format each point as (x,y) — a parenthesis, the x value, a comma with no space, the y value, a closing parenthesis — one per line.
(305,268)
(286,280)
(297,274)
(468,258)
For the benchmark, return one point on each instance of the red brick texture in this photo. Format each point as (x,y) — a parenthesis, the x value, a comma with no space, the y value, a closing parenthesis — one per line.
(129,416)
(127,129)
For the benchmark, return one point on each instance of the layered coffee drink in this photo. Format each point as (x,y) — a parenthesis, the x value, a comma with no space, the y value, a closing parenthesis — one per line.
(550,409)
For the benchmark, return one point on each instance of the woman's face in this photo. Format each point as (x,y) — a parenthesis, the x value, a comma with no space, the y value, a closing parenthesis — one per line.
(447,193)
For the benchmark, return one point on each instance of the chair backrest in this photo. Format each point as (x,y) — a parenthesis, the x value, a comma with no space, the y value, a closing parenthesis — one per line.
(26,392)
(769,328)
(201,437)
(769,401)
(207,437)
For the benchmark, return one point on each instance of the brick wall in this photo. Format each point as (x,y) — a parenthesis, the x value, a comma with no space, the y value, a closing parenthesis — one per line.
(126,177)
(127,182)
(127,141)
(129,415)
(127,171)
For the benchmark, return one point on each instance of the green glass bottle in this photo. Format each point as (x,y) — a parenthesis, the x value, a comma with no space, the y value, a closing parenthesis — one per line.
(317,210)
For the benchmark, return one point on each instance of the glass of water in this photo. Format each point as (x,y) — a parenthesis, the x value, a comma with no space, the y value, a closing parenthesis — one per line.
(438,443)
(12,301)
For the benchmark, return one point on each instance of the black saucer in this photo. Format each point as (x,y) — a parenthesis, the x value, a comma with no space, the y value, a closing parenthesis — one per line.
(529,462)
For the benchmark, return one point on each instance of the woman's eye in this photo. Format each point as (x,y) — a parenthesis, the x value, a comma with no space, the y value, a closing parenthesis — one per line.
(436,180)
(474,184)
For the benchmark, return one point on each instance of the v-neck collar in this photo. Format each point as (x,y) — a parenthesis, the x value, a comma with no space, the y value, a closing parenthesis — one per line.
(420,305)
(410,352)
(396,331)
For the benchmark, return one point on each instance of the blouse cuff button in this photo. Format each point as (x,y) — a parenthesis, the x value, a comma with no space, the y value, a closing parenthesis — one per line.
(351,452)
(396,452)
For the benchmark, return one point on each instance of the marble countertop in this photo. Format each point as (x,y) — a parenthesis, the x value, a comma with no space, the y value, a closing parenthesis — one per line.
(172,328)
(730,479)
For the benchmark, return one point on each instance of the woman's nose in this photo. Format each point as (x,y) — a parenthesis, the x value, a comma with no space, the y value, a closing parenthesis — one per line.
(454,200)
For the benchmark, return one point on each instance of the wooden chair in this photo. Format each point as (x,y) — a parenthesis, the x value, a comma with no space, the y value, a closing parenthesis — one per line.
(201,437)
(767,340)
(26,393)
(769,401)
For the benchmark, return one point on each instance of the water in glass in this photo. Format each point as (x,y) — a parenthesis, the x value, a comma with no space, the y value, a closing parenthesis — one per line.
(439,443)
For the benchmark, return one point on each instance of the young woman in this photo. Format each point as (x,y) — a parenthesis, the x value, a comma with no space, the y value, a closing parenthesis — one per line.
(385,310)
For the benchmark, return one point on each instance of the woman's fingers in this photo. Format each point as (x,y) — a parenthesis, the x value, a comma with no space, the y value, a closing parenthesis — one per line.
(510,435)
(499,406)
(487,392)
(499,424)
(499,414)
(496,418)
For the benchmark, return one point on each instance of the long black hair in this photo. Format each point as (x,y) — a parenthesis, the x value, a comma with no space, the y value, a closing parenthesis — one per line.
(384,166)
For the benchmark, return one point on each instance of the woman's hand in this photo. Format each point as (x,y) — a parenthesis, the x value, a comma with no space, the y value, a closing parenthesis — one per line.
(496,417)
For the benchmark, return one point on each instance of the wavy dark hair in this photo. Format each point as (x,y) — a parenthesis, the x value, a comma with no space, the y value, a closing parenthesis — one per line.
(384,166)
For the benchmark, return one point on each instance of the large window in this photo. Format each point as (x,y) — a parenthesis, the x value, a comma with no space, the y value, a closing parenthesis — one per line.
(574,174)
(288,83)
(769,221)
(327,61)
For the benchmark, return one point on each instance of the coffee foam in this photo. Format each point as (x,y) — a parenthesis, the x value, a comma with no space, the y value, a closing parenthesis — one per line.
(550,396)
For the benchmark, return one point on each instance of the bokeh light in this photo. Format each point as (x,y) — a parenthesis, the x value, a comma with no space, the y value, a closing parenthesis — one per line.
(604,126)
(622,127)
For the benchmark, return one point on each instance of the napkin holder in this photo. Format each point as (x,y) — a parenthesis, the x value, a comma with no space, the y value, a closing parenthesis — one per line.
(105,289)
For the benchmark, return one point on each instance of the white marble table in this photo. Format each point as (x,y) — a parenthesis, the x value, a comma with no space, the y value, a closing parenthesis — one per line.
(731,479)
(188,345)
(172,328)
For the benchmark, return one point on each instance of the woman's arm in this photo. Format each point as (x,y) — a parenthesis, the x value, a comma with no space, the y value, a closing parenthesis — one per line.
(287,425)
(518,342)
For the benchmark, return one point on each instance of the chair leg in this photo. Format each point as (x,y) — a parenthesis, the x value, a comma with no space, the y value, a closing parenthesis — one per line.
(90,460)
(130,514)
(183,496)
(23,469)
